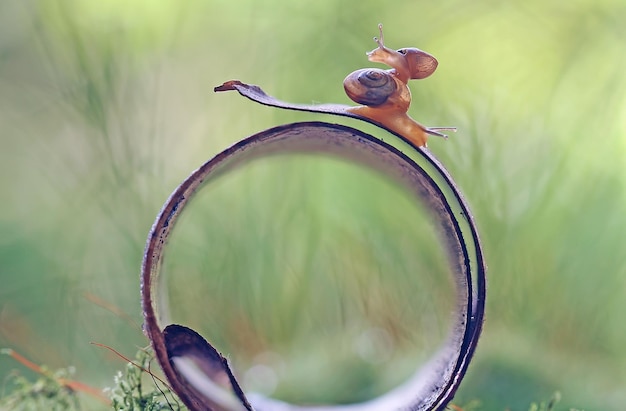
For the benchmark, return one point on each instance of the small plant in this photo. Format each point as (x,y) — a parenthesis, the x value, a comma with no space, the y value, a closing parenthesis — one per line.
(546,406)
(56,391)
(549,405)
(131,394)
(51,391)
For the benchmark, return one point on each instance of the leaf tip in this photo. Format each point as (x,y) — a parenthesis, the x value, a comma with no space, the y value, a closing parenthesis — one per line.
(227,86)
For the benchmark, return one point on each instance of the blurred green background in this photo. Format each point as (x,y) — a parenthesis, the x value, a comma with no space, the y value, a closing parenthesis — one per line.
(308,267)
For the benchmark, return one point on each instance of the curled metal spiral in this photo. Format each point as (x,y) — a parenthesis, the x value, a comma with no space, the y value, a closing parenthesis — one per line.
(201,375)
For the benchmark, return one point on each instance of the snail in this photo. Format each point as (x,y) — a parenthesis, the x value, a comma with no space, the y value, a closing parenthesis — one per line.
(384,94)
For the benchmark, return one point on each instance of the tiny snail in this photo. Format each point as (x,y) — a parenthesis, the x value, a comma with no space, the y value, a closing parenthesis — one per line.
(407,63)
(384,94)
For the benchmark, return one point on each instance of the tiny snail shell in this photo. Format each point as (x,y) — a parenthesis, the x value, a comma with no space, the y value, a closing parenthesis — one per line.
(370,86)
(421,64)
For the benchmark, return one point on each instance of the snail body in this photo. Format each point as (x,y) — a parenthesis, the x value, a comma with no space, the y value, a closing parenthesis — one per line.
(384,94)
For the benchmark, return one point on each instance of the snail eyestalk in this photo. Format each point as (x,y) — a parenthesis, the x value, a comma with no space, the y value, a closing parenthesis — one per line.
(380,40)
(434,131)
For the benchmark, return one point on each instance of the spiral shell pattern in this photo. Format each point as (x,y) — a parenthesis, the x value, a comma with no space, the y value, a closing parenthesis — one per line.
(369,86)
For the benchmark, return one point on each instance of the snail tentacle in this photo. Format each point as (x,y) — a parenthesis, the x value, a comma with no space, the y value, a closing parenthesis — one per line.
(380,40)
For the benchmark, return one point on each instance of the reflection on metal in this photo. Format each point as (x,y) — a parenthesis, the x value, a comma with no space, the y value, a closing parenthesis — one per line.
(205,381)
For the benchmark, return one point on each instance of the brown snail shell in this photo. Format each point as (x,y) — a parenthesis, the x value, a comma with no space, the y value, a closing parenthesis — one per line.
(369,86)
(421,64)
